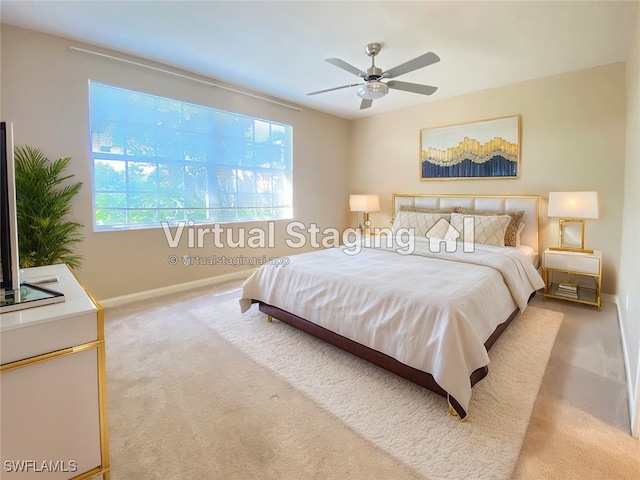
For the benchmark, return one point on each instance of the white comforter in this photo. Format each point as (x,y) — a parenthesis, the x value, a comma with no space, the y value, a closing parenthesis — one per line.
(431,311)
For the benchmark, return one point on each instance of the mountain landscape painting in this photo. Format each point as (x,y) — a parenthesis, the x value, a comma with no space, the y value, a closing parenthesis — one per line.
(485,149)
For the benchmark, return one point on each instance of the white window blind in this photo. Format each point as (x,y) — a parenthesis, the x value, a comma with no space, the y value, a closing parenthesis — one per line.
(157,160)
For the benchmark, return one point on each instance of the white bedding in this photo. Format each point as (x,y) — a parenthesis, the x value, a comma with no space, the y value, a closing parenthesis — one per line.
(431,311)
(530,253)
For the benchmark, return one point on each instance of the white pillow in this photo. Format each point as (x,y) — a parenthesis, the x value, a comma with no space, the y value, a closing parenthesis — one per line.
(432,225)
(487,229)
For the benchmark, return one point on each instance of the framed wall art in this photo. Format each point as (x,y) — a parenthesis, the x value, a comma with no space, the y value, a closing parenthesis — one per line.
(484,149)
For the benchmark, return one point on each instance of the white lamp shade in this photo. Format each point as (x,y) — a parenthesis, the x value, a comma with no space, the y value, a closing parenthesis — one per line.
(364,203)
(573,204)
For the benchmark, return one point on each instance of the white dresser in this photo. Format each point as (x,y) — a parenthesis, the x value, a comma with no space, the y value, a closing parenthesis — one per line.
(53,386)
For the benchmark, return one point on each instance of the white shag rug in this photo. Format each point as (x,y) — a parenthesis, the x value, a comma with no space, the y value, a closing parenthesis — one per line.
(407,421)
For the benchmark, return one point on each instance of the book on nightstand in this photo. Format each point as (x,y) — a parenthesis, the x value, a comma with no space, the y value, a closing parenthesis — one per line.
(568,289)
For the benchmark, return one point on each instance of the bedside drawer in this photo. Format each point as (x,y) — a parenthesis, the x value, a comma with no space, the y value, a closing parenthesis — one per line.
(572,263)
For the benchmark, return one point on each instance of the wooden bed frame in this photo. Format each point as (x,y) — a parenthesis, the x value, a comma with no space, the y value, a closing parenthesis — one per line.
(382,360)
(531,206)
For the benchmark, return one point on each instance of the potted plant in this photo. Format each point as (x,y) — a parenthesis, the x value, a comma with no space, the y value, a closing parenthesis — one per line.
(43,202)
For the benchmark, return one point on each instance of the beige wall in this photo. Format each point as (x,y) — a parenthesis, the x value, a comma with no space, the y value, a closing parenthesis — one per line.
(573,138)
(44,94)
(629,284)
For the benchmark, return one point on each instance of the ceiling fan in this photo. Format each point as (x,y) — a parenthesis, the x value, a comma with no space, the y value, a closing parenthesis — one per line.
(373,88)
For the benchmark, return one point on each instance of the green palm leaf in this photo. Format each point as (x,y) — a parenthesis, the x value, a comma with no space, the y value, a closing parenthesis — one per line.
(43,202)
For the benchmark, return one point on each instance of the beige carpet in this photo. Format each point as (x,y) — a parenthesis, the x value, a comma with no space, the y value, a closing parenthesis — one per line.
(184,403)
(405,420)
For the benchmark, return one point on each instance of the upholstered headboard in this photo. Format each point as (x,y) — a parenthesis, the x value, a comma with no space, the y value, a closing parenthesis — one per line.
(529,203)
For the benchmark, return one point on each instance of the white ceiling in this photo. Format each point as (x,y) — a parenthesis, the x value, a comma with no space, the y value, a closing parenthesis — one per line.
(278,48)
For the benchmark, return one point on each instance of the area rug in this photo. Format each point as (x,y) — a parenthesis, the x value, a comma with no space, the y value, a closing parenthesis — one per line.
(407,421)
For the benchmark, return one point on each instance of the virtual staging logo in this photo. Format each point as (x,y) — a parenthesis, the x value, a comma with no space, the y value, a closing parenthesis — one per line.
(298,235)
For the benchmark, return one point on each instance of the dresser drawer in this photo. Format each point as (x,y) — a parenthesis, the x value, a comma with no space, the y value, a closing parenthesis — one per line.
(20,343)
(572,262)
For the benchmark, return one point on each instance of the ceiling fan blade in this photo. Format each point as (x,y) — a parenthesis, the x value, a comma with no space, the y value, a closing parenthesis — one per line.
(412,87)
(345,66)
(334,88)
(419,62)
(365,103)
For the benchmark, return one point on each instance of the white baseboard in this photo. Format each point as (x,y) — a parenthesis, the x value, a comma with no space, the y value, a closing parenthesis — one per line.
(633,397)
(181,287)
(635,413)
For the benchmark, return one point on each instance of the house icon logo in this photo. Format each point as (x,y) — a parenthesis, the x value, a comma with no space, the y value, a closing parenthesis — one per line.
(445,237)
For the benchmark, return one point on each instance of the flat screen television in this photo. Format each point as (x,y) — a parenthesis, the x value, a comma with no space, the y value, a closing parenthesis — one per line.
(14,294)
(10,274)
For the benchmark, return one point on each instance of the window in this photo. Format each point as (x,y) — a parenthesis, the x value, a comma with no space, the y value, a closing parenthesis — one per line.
(160,160)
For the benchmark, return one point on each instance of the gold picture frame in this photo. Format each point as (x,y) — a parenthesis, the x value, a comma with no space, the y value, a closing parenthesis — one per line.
(572,236)
(476,150)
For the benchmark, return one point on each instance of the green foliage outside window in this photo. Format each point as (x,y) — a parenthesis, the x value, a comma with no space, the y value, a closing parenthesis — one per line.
(159,160)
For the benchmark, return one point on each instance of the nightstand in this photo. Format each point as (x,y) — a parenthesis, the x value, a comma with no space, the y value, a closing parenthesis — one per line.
(572,276)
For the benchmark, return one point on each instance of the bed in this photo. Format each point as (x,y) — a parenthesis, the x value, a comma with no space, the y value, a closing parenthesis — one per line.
(421,299)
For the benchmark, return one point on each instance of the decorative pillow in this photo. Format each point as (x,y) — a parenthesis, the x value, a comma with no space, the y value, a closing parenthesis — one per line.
(511,235)
(432,225)
(520,229)
(439,229)
(402,220)
(488,230)
(428,210)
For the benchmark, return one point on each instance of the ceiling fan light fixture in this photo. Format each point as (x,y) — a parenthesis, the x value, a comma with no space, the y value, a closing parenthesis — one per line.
(372,90)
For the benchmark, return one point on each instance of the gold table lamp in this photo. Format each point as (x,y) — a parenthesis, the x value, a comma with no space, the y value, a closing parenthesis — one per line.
(573,208)
(364,204)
